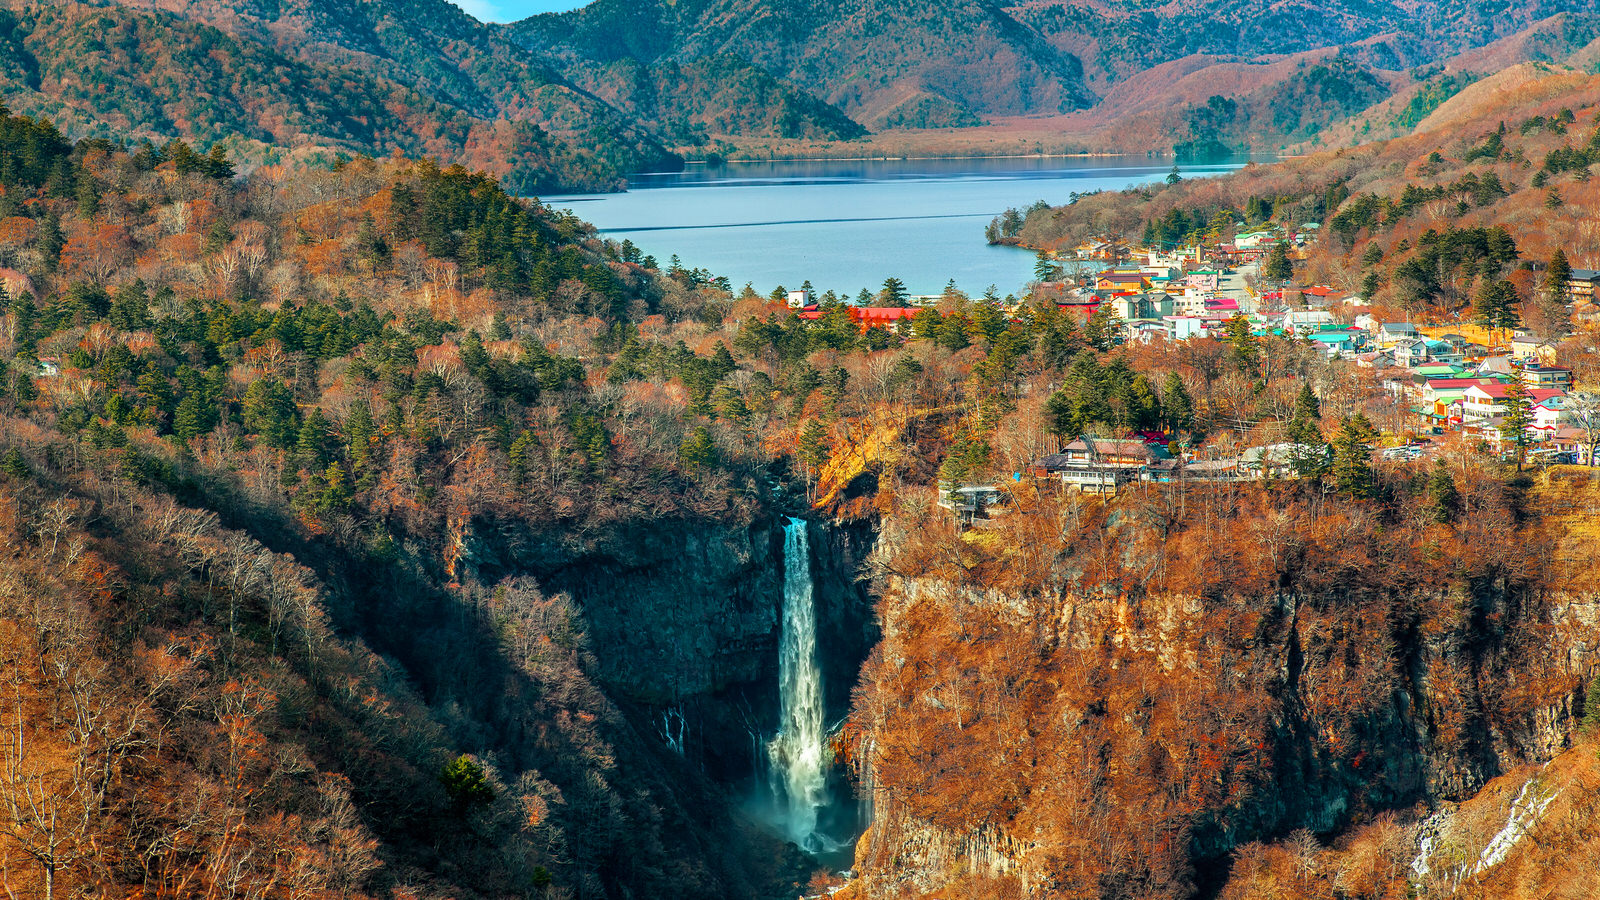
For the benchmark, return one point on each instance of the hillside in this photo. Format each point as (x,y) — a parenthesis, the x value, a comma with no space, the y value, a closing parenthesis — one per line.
(374,533)
(153,74)
(292,471)
(1508,151)
(887,65)
(1121,76)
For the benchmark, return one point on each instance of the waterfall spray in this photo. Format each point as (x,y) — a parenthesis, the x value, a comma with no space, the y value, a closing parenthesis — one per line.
(798,774)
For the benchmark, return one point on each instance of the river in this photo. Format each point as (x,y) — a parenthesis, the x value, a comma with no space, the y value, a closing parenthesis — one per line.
(848,225)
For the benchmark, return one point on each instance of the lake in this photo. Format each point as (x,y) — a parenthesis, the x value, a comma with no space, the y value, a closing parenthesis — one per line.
(848,225)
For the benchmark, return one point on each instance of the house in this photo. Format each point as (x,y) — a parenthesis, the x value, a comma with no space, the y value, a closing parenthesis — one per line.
(1225,469)
(1144,331)
(1409,352)
(1095,465)
(1318,295)
(1307,321)
(1256,240)
(1437,370)
(973,503)
(1443,352)
(1278,460)
(1390,333)
(1117,281)
(1527,346)
(1142,306)
(1497,365)
(1376,359)
(1582,284)
(881,316)
(1447,391)
(1536,375)
(1209,280)
(1547,415)
(1485,401)
(1182,328)
(1334,342)
(799,299)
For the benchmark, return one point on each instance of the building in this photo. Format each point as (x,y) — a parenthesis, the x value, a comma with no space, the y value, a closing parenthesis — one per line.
(1547,416)
(1486,401)
(1582,284)
(1528,347)
(1098,466)
(1536,375)
(1409,352)
(1141,306)
(1256,240)
(1308,321)
(799,299)
(1182,328)
(1117,282)
(867,317)
(1280,460)
(1391,333)
(973,504)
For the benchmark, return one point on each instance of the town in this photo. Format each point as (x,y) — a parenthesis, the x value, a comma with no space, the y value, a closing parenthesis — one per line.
(1503,390)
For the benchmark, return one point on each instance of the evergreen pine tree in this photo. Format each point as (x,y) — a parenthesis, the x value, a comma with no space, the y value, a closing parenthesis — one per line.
(1043,268)
(894,292)
(13,465)
(697,452)
(1242,347)
(311,442)
(1556,276)
(1517,419)
(1444,501)
(130,307)
(336,493)
(1309,458)
(1279,267)
(1352,458)
(814,449)
(190,419)
(1495,306)
(521,453)
(49,241)
(1104,328)
(1176,404)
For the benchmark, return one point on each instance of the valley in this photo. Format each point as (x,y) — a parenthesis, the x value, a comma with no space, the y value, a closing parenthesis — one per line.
(392,509)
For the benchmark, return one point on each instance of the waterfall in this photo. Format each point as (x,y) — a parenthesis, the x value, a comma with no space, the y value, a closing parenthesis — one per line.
(798,768)
(673,728)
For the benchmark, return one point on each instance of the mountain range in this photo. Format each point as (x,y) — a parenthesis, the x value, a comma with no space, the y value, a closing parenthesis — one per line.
(577,100)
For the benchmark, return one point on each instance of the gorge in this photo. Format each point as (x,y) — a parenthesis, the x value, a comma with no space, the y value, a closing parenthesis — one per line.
(374,532)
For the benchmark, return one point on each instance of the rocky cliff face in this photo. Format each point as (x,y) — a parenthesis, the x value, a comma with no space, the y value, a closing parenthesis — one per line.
(684,617)
(1084,729)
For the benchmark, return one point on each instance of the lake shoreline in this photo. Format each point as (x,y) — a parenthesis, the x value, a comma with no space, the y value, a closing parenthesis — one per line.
(846,225)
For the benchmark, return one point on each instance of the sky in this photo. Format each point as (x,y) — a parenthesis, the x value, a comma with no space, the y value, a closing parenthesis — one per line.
(513,10)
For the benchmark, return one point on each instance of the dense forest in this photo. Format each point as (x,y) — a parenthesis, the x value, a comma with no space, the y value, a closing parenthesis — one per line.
(214,72)
(328,489)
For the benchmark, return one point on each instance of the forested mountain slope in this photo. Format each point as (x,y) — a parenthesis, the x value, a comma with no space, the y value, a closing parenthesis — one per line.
(369,528)
(1294,68)
(1407,222)
(942,63)
(281,460)
(112,69)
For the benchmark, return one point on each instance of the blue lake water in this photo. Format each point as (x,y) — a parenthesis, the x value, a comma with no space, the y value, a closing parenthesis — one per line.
(848,225)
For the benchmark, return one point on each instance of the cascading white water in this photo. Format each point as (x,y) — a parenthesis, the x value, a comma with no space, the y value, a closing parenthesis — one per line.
(797,773)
